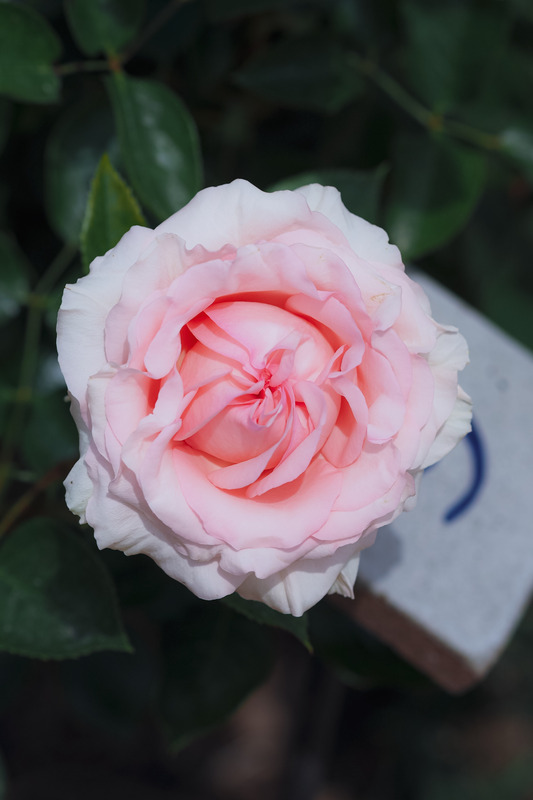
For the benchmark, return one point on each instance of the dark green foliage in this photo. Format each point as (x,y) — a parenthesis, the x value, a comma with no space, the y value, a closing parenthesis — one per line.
(111,211)
(304,73)
(158,143)
(263,615)
(104,25)
(56,600)
(82,134)
(436,184)
(360,190)
(421,115)
(214,658)
(28,49)
(14,278)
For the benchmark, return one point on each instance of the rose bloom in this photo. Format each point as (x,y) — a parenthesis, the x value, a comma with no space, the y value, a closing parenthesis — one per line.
(257,386)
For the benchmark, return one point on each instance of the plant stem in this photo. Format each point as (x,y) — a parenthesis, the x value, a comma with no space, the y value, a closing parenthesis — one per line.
(74,67)
(56,268)
(428,119)
(30,354)
(393,89)
(23,393)
(487,141)
(114,62)
(24,502)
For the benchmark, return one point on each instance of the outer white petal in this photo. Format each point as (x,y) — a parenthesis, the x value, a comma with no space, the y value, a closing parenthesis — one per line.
(368,241)
(237,213)
(85,306)
(78,489)
(346,579)
(120,527)
(78,485)
(454,429)
(452,410)
(302,585)
(449,356)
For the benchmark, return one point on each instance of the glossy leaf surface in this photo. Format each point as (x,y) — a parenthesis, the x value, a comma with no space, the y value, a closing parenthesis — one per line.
(56,600)
(28,49)
(453,50)
(74,148)
(111,211)
(436,184)
(158,143)
(104,25)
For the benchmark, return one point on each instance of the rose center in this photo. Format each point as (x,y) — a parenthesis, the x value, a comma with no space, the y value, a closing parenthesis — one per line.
(244,369)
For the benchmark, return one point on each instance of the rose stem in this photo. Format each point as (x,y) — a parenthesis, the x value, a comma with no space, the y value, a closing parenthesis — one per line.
(428,119)
(36,302)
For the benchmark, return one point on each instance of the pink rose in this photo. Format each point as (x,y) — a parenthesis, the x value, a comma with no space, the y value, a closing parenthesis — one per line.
(257,385)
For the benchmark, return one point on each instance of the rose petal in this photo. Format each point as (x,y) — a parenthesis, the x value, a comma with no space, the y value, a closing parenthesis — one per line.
(369,241)
(298,587)
(282,518)
(84,309)
(257,386)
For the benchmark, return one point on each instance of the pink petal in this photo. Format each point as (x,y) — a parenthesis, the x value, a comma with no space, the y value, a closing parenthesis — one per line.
(345,441)
(282,518)
(368,241)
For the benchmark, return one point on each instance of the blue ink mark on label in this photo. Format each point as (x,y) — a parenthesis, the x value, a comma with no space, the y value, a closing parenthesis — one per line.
(479,464)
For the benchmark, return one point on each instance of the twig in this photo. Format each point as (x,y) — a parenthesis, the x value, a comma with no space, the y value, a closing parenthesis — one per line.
(74,67)
(24,502)
(428,119)
(30,352)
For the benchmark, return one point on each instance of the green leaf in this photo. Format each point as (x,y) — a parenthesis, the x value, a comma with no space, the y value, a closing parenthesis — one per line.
(263,615)
(158,142)
(111,211)
(50,434)
(517,144)
(356,656)
(360,189)
(14,283)
(508,305)
(104,25)
(56,600)
(436,184)
(311,73)
(28,48)
(214,659)
(453,50)
(74,148)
